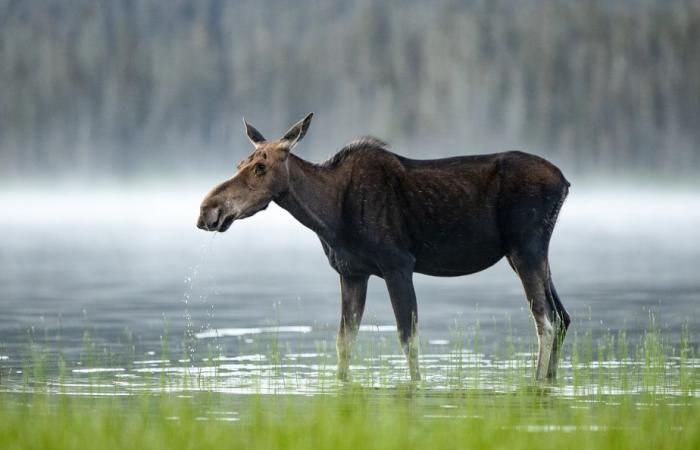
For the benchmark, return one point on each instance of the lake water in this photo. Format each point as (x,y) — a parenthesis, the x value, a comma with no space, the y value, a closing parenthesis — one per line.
(125,279)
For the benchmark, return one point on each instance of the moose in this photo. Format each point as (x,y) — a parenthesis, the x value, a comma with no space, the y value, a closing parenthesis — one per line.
(379,213)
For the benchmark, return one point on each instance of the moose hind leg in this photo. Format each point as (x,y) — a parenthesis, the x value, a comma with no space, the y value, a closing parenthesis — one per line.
(403,302)
(535,279)
(353,296)
(562,325)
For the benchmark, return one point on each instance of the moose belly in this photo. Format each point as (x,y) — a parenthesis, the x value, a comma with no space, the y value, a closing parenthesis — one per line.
(346,262)
(455,257)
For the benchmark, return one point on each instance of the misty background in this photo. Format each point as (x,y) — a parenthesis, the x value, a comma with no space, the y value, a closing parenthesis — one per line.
(135,88)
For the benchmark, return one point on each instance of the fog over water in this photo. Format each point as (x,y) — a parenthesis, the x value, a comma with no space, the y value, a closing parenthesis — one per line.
(115,263)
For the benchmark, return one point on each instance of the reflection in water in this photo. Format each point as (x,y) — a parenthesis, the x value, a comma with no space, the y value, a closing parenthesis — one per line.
(227,332)
(314,373)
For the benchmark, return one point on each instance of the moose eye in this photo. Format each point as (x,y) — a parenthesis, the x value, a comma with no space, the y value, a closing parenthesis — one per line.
(259,169)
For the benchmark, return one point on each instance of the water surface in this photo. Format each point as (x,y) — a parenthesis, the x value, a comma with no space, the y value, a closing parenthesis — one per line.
(122,284)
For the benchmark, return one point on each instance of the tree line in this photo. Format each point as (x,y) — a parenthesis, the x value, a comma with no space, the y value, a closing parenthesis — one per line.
(118,86)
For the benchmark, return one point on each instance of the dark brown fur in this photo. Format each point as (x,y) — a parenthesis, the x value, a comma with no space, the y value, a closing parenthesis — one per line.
(378,213)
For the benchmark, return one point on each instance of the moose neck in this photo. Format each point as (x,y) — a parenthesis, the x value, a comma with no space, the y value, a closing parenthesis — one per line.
(313,197)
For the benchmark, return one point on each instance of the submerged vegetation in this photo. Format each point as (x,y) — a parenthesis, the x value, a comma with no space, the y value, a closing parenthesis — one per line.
(612,393)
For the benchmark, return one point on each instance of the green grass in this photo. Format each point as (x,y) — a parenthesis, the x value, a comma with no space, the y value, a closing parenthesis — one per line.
(357,419)
(612,393)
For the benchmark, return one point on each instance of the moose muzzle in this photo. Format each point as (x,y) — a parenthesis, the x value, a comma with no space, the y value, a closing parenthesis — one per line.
(209,218)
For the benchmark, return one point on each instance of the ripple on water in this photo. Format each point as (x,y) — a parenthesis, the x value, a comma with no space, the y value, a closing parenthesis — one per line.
(233,332)
(308,373)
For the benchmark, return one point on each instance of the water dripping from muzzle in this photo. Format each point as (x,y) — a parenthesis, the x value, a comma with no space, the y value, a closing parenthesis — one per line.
(190,281)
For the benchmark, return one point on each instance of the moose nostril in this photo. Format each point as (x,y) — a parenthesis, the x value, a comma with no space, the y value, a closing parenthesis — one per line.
(212,217)
(208,218)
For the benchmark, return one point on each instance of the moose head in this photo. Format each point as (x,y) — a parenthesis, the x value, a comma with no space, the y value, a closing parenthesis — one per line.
(261,177)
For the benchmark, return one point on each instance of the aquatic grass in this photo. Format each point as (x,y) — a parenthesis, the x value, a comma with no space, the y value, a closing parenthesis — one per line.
(594,367)
(357,418)
(456,368)
(611,394)
(688,378)
(321,363)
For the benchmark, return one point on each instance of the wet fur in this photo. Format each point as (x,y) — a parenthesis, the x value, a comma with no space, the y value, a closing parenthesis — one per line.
(378,213)
(390,216)
(451,217)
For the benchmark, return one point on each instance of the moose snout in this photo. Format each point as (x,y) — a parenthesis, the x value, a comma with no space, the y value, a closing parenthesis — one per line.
(209,218)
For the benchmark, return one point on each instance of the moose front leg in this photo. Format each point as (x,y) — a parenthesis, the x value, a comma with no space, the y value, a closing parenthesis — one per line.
(403,301)
(353,294)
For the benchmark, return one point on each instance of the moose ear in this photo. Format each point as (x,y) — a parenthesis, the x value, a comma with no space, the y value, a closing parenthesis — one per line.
(256,137)
(298,131)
